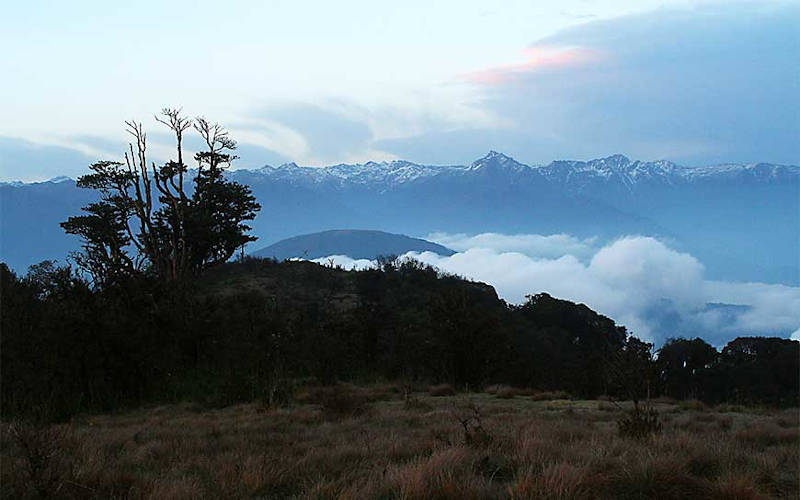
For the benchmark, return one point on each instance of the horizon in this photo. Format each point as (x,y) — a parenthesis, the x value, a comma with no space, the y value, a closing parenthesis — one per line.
(489,154)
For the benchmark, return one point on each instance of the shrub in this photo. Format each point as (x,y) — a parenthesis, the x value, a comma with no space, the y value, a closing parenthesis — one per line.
(441,390)
(506,392)
(705,417)
(654,476)
(412,402)
(278,393)
(767,434)
(341,401)
(639,423)
(606,406)
(665,400)
(557,481)
(734,488)
(693,404)
(725,423)
(385,391)
(550,396)
(475,434)
(730,408)
(787,422)
(41,449)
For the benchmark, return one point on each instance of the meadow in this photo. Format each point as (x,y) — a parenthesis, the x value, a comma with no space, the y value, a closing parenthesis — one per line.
(391,442)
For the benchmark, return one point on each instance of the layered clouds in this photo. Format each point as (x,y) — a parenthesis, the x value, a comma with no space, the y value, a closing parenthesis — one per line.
(640,282)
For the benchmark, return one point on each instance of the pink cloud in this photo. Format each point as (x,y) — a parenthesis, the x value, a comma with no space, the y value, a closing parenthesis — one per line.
(536,58)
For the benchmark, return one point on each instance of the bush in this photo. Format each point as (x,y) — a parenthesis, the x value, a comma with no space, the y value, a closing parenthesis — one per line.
(607,406)
(693,404)
(640,423)
(506,392)
(550,396)
(559,480)
(412,402)
(441,390)
(471,421)
(341,401)
(665,400)
(767,434)
(41,448)
(278,393)
(730,408)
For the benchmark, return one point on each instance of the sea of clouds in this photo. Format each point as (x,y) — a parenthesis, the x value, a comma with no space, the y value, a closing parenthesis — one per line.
(640,282)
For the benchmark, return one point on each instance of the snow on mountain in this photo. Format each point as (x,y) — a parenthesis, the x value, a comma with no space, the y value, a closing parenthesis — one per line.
(571,175)
(60,179)
(364,174)
(616,170)
(496,161)
(55,180)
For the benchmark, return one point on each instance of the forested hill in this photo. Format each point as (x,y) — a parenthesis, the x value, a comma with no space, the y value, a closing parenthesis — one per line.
(246,330)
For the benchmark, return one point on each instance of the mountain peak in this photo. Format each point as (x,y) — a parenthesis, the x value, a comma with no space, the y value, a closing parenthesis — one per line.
(494,159)
(617,159)
(492,154)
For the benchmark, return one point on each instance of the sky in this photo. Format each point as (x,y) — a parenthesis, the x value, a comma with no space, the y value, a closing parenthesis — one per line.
(318,83)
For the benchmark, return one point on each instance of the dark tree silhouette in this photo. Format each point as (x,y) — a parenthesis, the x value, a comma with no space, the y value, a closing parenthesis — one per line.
(146,221)
(683,367)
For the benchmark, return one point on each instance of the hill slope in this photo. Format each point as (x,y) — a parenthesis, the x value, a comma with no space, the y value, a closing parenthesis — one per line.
(355,243)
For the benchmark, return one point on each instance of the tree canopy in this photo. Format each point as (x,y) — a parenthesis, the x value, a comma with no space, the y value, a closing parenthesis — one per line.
(148,220)
(244,327)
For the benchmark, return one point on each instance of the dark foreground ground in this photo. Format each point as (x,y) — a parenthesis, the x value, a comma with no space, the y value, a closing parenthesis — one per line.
(374,442)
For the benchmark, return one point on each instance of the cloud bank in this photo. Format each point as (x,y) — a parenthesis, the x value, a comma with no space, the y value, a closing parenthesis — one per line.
(640,282)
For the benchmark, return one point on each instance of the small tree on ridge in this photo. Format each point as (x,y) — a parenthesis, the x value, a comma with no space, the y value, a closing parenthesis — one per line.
(146,221)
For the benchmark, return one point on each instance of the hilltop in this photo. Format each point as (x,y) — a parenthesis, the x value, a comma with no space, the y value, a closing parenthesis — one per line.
(354,243)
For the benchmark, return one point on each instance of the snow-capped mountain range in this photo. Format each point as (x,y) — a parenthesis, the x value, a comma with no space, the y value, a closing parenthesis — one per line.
(569,174)
(742,221)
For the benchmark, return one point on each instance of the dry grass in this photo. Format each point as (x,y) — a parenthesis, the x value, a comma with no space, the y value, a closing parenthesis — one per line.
(391,449)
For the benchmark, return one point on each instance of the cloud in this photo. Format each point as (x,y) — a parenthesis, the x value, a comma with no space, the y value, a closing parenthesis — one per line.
(25,160)
(771,307)
(280,140)
(325,132)
(640,282)
(532,245)
(351,130)
(695,85)
(537,58)
(345,262)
